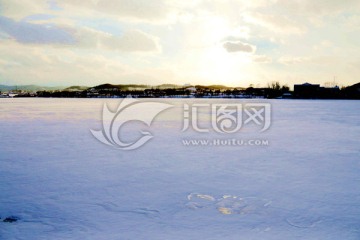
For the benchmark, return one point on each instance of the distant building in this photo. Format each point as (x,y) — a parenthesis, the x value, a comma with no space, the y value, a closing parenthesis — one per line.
(330,92)
(306,90)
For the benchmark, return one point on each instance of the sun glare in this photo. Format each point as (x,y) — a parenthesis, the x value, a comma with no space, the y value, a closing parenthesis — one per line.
(217,65)
(220,67)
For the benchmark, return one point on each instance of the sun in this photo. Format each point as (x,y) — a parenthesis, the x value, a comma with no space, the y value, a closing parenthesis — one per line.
(219,66)
(216,65)
(204,59)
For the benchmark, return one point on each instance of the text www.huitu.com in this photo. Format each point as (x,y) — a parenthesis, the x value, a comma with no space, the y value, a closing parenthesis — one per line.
(225,142)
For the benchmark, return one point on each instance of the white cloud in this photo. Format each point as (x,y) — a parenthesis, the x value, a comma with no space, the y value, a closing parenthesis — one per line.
(196,38)
(68,36)
(18,9)
(137,10)
(239,47)
(140,9)
(132,41)
(129,41)
(352,23)
(318,7)
(292,60)
(313,60)
(274,23)
(129,10)
(29,64)
(35,33)
(261,59)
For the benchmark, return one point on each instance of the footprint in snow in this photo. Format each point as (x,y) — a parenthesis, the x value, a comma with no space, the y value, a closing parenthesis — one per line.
(228,204)
(303,221)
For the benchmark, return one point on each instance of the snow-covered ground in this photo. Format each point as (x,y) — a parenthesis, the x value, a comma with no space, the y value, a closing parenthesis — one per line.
(62,183)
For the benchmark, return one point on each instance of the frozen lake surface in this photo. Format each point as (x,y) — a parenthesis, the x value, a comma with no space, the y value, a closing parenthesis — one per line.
(62,183)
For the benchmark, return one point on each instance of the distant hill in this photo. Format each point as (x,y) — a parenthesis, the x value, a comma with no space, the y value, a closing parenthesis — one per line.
(76,88)
(213,87)
(162,86)
(133,86)
(6,88)
(121,86)
(355,86)
(353,91)
(106,86)
(167,86)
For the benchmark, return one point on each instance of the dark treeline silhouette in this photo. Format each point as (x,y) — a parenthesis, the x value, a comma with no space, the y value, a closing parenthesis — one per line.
(273,90)
(315,91)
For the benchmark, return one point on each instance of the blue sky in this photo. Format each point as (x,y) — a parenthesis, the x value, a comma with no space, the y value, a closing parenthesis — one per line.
(230,42)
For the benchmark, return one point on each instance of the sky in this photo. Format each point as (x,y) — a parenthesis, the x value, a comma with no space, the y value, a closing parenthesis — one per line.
(230,42)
